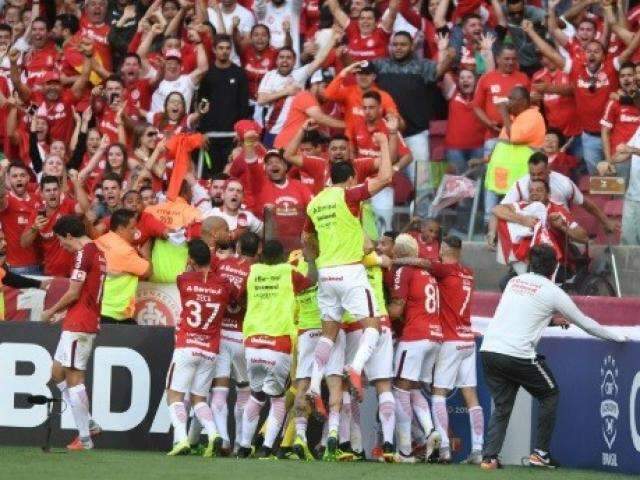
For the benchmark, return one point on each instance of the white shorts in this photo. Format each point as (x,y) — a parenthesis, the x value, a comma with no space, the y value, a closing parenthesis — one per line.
(306,347)
(415,360)
(191,371)
(268,370)
(74,349)
(335,365)
(352,343)
(380,364)
(456,365)
(230,362)
(345,288)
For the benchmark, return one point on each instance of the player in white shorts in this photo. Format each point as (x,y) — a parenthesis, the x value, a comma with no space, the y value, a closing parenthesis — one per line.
(415,303)
(204,296)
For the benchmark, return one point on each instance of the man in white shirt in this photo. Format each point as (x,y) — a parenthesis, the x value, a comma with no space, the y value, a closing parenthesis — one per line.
(631,209)
(222,16)
(274,13)
(509,356)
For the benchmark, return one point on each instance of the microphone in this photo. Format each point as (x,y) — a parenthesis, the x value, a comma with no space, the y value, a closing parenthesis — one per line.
(41,400)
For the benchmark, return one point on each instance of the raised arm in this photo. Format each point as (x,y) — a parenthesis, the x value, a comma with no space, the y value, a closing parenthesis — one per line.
(440,15)
(389,16)
(291,154)
(24,92)
(322,54)
(385,171)
(546,49)
(630,50)
(554,28)
(339,15)
(202,64)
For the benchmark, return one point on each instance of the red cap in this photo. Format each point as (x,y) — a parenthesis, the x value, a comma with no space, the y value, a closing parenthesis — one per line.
(51,77)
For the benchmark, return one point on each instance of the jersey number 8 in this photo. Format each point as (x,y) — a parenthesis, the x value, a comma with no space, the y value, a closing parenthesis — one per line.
(431,299)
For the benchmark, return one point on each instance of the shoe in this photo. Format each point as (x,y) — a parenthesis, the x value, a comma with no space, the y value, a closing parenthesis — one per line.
(433,443)
(444,457)
(376,452)
(537,459)
(474,458)
(419,451)
(259,441)
(94,431)
(489,463)
(344,453)
(301,449)
(355,380)
(198,450)
(401,458)
(358,456)
(332,446)
(213,447)
(180,448)
(265,453)
(245,452)
(388,454)
(287,453)
(80,445)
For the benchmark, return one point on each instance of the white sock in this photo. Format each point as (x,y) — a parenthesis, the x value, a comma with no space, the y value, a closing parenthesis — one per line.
(344,431)
(387,414)
(178,415)
(250,420)
(203,413)
(441,418)
(476,420)
(321,356)
(220,410)
(403,420)
(242,396)
(356,431)
(301,427)
(368,343)
(195,429)
(325,434)
(333,423)
(80,409)
(420,407)
(275,419)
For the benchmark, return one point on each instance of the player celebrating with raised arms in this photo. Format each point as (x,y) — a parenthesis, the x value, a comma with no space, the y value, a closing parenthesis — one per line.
(267,329)
(204,296)
(80,325)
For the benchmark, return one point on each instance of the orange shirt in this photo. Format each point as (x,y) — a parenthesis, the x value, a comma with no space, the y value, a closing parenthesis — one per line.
(175,214)
(296,117)
(121,256)
(528,128)
(351,97)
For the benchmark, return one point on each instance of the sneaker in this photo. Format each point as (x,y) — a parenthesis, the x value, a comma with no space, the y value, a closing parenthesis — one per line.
(213,447)
(355,380)
(80,445)
(358,456)
(180,448)
(198,449)
(402,458)
(344,455)
(265,453)
(301,449)
(94,431)
(388,453)
(489,463)
(433,443)
(287,453)
(444,456)
(244,452)
(332,446)
(474,458)
(419,451)
(537,459)
(376,452)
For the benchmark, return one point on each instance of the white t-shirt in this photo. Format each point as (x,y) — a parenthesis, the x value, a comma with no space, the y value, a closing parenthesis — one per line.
(244,219)
(274,82)
(247,20)
(563,191)
(524,311)
(182,84)
(273,16)
(633,190)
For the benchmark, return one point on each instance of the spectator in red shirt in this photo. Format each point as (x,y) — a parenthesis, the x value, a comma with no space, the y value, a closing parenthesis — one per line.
(257,57)
(559,160)
(138,85)
(586,32)
(41,58)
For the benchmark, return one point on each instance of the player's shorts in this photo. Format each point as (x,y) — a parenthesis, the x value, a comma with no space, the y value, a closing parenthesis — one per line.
(352,339)
(335,365)
(345,288)
(307,341)
(231,362)
(268,370)
(456,365)
(415,360)
(191,371)
(74,349)
(380,363)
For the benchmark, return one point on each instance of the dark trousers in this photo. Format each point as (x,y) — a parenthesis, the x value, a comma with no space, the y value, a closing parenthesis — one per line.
(505,375)
(112,321)
(219,151)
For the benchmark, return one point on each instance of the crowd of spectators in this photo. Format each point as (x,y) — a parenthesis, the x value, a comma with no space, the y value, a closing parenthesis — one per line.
(155,119)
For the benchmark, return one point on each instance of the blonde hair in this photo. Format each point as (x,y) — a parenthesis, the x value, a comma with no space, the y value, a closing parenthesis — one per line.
(405,246)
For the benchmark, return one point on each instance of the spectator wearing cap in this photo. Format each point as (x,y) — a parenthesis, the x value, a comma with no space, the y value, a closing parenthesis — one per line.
(411,82)
(279,86)
(174,80)
(306,105)
(350,95)
(225,87)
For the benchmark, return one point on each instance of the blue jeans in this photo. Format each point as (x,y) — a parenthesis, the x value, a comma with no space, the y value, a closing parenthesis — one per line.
(592,151)
(459,158)
(26,270)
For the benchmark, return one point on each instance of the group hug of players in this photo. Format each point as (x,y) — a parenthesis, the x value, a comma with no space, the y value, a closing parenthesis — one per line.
(343,311)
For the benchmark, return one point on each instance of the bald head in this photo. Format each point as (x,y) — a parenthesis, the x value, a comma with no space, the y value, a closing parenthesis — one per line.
(214,229)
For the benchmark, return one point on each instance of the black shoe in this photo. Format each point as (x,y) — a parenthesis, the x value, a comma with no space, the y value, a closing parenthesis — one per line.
(265,453)
(332,445)
(388,453)
(537,459)
(244,452)
(259,441)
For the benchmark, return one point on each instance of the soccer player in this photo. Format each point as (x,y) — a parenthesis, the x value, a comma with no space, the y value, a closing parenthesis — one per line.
(415,303)
(343,284)
(80,325)
(267,329)
(205,297)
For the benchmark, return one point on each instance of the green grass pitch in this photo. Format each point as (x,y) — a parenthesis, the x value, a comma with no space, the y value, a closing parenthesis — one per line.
(17,463)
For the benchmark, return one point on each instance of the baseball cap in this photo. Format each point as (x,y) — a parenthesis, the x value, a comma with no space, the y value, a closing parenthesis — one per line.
(274,152)
(322,75)
(51,77)
(173,53)
(367,69)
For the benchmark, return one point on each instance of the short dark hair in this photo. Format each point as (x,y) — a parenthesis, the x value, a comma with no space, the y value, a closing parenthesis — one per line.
(272,252)
(49,179)
(260,25)
(392,234)
(546,184)
(542,260)
(19,165)
(132,192)
(537,158)
(199,252)
(507,46)
(70,225)
(40,19)
(369,9)
(220,176)
(69,21)
(249,244)
(403,33)
(630,65)
(120,218)
(522,92)
(287,49)
(453,241)
(133,55)
(339,136)
(341,172)
(5,27)
(223,38)
(113,177)
(470,16)
(114,78)
(313,137)
(374,95)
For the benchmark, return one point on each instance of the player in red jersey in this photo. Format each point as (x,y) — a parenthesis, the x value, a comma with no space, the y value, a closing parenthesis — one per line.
(205,297)
(416,305)
(80,325)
